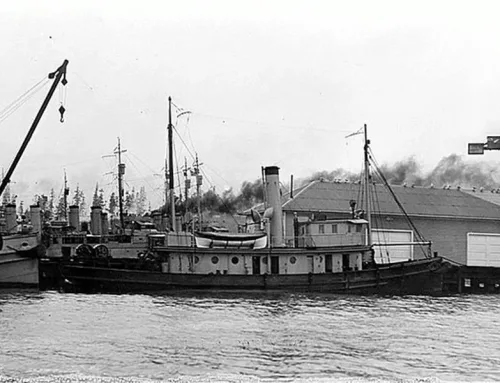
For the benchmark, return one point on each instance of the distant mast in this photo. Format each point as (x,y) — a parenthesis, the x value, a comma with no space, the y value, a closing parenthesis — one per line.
(171,165)
(121,172)
(65,200)
(367,188)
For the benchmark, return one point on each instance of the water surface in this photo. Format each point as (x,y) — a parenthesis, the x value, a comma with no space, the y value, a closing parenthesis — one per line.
(48,336)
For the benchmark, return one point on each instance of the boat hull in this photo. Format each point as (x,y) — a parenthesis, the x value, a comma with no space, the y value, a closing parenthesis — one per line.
(19,262)
(413,277)
(473,280)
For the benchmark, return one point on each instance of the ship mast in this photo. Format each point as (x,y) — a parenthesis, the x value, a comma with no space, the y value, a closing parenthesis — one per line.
(66,193)
(171,165)
(199,180)
(367,187)
(121,172)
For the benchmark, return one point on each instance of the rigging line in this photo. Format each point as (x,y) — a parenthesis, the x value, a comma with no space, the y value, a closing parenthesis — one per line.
(178,172)
(379,221)
(142,162)
(189,132)
(213,186)
(21,103)
(44,78)
(420,237)
(271,124)
(191,154)
(218,175)
(144,178)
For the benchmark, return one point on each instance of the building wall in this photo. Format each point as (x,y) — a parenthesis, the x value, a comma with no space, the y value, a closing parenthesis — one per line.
(449,237)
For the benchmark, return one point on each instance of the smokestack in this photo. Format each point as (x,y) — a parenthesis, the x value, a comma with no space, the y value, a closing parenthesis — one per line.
(95,220)
(104,224)
(74,217)
(10,218)
(156,216)
(291,186)
(36,220)
(273,198)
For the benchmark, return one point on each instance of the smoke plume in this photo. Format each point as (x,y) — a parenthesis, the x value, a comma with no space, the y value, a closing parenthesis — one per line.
(451,171)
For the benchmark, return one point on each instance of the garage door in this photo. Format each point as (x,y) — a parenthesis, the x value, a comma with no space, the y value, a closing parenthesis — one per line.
(483,249)
(391,254)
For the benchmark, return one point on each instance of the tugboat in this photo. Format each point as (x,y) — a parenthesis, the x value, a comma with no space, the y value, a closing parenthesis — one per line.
(342,263)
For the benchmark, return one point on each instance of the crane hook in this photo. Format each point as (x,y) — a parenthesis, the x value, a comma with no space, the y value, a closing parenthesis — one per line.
(62,109)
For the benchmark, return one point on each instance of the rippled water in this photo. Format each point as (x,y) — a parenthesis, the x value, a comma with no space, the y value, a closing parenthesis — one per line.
(47,336)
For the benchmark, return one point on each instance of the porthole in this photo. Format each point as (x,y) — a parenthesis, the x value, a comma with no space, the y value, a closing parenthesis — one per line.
(264,260)
(196,259)
(293,260)
(215,260)
(235,260)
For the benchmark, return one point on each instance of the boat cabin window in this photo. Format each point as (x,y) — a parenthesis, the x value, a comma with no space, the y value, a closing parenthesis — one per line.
(255,265)
(322,229)
(275,265)
(352,228)
(73,239)
(335,228)
(345,262)
(157,241)
(328,263)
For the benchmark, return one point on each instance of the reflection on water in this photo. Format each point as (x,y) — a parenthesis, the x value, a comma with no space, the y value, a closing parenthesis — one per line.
(48,336)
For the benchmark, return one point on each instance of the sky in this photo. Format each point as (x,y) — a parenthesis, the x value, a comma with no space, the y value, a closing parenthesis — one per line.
(265,83)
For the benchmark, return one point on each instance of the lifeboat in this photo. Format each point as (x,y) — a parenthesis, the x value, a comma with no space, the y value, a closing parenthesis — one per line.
(231,240)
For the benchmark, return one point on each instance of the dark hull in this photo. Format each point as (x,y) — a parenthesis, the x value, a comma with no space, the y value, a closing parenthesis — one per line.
(473,280)
(413,277)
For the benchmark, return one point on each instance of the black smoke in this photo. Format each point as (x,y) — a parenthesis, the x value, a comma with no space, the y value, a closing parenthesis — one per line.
(451,171)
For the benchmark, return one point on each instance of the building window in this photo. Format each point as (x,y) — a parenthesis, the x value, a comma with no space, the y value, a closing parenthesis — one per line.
(235,260)
(335,229)
(215,260)
(322,229)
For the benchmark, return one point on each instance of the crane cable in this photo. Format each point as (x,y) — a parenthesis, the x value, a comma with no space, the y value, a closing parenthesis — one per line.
(22,99)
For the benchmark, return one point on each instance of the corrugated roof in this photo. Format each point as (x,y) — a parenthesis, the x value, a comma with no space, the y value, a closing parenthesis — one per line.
(419,201)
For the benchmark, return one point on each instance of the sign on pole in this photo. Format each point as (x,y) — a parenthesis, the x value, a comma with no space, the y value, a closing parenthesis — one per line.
(493,143)
(477,148)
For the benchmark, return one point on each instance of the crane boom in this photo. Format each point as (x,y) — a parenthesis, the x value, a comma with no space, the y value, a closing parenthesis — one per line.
(56,75)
